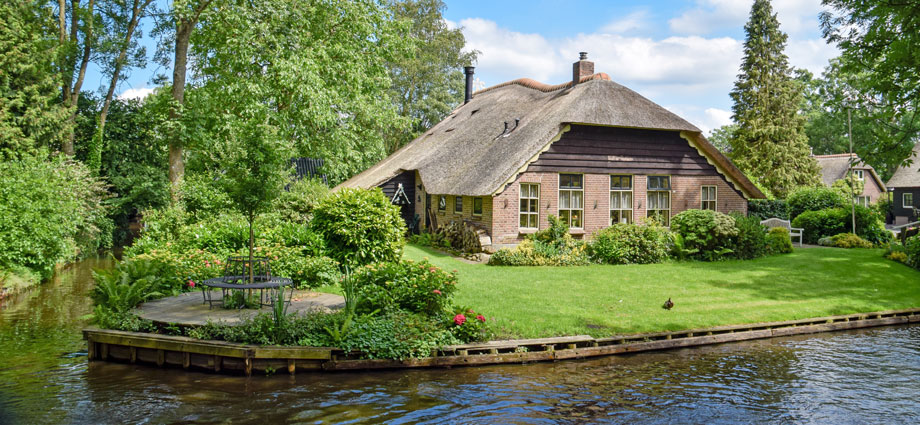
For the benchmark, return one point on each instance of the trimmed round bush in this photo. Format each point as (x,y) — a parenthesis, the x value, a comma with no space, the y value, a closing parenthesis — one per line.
(849,240)
(529,252)
(814,199)
(417,287)
(360,226)
(709,232)
(833,221)
(630,244)
(778,241)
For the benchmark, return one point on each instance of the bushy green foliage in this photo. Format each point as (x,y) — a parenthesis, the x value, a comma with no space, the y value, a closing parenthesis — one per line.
(768,208)
(912,250)
(555,234)
(360,227)
(829,222)
(396,335)
(50,212)
(630,244)
(778,241)
(845,240)
(814,199)
(751,240)
(468,326)
(203,197)
(709,232)
(297,202)
(128,284)
(535,253)
(416,287)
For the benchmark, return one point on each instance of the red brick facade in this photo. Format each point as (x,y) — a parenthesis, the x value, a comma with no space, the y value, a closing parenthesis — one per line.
(685,194)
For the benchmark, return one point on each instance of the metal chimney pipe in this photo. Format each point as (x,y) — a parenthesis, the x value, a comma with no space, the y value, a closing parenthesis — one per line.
(468,70)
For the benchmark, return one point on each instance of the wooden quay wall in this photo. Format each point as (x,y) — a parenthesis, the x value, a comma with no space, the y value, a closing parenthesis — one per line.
(225,357)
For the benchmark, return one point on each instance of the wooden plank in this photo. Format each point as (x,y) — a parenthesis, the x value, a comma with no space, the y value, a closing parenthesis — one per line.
(306,353)
(519,342)
(603,163)
(174,344)
(624,170)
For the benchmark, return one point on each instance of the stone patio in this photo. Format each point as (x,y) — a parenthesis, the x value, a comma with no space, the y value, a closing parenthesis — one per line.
(189,308)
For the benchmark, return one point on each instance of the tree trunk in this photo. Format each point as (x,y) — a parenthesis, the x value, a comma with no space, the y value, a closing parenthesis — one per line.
(136,13)
(70,91)
(251,239)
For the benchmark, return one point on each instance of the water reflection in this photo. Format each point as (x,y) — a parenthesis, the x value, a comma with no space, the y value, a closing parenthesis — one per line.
(848,377)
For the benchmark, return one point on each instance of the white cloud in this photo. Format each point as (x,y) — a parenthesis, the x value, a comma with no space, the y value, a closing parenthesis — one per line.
(629,23)
(795,16)
(135,93)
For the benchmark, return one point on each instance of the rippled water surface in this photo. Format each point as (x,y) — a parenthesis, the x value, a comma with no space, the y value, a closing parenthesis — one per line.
(868,376)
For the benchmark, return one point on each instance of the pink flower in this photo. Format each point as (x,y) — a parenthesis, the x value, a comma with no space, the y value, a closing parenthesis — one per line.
(433,269)
(436,292)
(470,311)
(481,318)
(460,319)
(191,283)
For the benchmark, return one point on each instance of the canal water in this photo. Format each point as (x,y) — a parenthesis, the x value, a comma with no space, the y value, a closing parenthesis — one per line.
(867,376)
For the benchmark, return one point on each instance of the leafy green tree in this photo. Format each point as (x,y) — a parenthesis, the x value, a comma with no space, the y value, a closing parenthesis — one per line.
(319,66)
(721,137)
(77,42)
(30,114)
(428,83)
(878,42)
(770,143)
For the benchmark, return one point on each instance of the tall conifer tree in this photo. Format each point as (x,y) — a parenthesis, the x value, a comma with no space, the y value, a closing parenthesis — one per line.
(770,144)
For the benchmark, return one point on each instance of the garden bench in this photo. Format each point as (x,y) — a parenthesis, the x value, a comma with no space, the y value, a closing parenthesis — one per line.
(777,222)
(228,284)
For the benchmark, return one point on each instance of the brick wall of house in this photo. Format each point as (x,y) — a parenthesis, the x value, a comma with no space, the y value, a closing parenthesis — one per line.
(449,214)
(872,188)
(685,194)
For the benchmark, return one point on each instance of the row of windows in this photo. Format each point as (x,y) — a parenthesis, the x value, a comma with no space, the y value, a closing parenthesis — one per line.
(458,204)
(571,200)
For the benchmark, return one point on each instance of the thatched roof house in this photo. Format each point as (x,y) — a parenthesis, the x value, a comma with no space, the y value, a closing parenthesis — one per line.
(905,185)
(835,167)
(566,144)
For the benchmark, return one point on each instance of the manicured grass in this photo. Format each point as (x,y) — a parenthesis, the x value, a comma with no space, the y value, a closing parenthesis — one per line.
(600,300)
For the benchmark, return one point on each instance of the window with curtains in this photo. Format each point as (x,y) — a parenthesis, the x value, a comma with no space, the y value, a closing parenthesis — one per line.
(659,199)
(572,199)
(620,199)
(530,206)
(708,198)
(458,204)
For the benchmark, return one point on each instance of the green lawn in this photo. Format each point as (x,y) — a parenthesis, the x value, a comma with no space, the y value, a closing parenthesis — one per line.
(605,300)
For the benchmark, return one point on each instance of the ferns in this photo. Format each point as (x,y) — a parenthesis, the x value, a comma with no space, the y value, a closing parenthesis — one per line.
(127,285)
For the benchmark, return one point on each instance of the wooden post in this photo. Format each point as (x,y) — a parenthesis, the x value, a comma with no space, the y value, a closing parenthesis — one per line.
(104,351)
(91,349)
(187,360)
(217,361)
(248,365)
(161,357)
(133,354)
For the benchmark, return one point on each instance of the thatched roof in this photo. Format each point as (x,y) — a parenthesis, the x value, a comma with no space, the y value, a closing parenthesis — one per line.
(467,153)
(908,176)
(834,167)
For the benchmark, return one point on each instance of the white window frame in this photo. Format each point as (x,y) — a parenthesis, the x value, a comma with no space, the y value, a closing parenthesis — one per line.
(659,194)
(460,200)
(473,211)
(570,193)
(533,206)
(621,193)
(715,197)
(862,200)
(904,202)
(860,174)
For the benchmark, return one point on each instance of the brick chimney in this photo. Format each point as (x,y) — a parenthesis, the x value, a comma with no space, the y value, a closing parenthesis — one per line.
(582,68)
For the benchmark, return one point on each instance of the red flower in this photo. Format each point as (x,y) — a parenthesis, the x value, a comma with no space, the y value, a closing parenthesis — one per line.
(470,311)
(191,283)
(436,292)
(433,269)
(481,318)
(460,319)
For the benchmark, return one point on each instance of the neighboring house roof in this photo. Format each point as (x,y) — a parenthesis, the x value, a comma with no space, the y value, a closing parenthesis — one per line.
(471,153)
(834,167)
(908,175)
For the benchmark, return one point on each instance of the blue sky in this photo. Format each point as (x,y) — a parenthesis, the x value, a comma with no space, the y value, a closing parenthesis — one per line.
(683,55)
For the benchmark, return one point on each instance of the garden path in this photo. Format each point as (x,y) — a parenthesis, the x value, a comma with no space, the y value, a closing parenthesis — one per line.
(188,309)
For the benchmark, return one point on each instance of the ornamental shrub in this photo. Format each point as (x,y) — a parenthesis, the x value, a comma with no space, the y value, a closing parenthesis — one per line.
(709,232)
(360,226)
(467,326)
(849,240)
(814,199)
(829,222)
(51,211)
(768,208)
(630,244)
(751,240)
(778,242)
(555,234)
(912,249)
(536,253)
(416,287)
(296,204)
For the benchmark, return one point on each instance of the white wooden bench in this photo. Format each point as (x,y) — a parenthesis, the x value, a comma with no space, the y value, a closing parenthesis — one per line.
(777,222)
